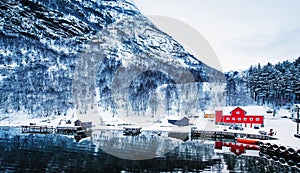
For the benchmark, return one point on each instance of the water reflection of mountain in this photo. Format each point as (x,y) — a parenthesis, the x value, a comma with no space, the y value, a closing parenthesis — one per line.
(56,153)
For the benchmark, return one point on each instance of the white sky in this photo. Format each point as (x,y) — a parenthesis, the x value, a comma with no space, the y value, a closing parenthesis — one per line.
(241,32)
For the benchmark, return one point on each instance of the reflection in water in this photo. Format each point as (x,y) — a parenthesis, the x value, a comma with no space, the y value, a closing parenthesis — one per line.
(236,148)
(56,153)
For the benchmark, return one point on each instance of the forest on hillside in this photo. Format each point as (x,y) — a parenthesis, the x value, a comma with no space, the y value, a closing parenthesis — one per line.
(275,85)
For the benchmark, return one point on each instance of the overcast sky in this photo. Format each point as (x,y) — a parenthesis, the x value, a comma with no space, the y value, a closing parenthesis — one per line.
(241,32)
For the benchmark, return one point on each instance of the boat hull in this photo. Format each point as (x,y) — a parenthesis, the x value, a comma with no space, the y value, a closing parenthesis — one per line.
(247,141)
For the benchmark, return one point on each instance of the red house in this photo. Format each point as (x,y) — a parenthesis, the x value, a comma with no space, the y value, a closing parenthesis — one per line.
(239,116)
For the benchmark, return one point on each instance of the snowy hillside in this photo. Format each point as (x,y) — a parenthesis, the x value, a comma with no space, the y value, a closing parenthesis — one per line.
(58,55)
(276,85)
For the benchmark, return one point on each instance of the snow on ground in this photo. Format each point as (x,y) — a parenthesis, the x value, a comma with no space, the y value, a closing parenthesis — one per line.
(285,128)
(18,119)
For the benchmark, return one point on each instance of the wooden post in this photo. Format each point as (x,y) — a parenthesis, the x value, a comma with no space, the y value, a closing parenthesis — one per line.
(297,119)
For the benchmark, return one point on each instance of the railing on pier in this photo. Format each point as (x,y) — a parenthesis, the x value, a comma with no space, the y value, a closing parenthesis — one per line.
(37,129)
(67,130)
(223,134)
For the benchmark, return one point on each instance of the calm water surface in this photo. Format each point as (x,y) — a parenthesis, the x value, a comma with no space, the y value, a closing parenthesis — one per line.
(106,152)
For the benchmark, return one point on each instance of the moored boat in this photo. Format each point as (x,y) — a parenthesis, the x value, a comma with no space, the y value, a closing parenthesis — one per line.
(247,141)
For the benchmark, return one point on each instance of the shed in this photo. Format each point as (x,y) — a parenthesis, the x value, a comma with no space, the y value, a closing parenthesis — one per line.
(294,110)
(209,114)
(183,122)
(77,123)
(86,124)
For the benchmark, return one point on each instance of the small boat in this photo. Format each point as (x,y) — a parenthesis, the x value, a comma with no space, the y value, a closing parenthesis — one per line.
(247,141)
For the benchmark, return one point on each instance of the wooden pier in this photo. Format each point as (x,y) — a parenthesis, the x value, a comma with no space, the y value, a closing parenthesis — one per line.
(67,130)
(195,134)
(37,129)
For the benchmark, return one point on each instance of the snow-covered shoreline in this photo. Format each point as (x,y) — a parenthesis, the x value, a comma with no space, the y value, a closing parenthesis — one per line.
(285,128)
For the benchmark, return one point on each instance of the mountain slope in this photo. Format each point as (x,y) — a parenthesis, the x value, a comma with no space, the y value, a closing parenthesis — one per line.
(71,54)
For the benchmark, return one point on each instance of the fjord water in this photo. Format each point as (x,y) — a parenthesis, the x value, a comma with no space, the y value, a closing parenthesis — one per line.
(58,153)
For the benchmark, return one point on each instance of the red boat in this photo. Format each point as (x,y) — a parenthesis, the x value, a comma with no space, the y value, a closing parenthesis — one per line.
(247,141)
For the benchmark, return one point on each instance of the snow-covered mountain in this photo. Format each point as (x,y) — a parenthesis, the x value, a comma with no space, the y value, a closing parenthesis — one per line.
(57,55)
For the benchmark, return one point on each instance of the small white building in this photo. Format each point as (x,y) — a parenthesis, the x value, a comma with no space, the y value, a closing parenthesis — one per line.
(294,110)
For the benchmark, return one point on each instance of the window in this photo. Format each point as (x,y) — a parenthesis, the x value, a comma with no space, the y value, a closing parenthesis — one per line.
(237,112)
(245,119)
(233,119)
(227,118)
(239,119)
(256,119)
(251,119)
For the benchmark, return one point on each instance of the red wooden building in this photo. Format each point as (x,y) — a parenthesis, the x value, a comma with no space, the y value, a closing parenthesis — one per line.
(239,116)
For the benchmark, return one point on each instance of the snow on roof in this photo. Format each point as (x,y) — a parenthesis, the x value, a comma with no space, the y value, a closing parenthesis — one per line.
(250,110)
(208,112)
(174,117)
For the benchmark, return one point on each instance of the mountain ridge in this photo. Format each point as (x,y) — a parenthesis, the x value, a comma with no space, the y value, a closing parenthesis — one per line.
(44,43)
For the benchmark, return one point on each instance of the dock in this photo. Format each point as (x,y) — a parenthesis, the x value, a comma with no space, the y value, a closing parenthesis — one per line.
(196,134)
(67,130)
(37,129)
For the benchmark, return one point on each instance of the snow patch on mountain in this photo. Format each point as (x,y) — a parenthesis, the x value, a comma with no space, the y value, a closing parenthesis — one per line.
(63,55)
